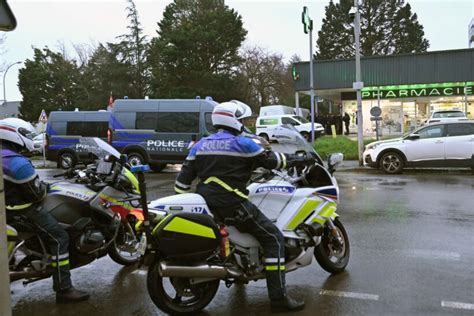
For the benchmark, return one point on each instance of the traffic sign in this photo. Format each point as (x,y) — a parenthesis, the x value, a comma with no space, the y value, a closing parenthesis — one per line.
(375,118)
(376,111)
(43,118)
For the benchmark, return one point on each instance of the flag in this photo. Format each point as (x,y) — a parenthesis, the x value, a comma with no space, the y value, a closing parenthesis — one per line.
(111,102)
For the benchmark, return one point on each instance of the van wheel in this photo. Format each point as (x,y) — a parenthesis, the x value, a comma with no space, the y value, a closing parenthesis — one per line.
(264,136)
(136,159)
(66,160)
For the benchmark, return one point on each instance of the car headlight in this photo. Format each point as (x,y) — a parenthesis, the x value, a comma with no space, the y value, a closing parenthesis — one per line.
(372,146)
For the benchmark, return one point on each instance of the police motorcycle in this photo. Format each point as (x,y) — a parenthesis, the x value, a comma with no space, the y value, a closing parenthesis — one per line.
(85,209)
(193,253)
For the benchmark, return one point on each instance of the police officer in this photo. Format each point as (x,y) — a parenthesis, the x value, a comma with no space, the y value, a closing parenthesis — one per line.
(223,162)
(23,192)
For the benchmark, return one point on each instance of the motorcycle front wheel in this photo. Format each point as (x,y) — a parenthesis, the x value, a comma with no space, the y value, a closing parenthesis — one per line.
(177,296)
(125,248)
(333,253)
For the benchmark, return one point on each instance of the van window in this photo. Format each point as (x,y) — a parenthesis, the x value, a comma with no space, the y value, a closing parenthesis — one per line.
(301,119)
(269,121)
(87,129)
(208,119)
(178,122)
(146,120)
(288,120)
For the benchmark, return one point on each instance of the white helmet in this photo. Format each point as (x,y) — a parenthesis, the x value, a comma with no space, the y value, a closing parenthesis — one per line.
(17,135)
(228,114)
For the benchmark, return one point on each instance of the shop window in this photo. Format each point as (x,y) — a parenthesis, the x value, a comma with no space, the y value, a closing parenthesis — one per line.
(432,132)
(460,129)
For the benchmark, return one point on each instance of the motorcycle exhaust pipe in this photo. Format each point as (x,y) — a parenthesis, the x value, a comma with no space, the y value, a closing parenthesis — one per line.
(198,271)
(18,275)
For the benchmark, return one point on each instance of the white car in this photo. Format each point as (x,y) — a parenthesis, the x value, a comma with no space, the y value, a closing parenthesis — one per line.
(436,145)
(38,142)
(446,116)
(266,125)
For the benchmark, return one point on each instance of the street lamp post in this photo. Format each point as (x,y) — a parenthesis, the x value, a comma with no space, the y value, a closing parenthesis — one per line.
(308,28)
(4,77)
(358,84)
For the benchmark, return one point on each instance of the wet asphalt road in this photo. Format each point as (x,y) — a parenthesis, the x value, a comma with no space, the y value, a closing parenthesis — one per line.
(412,252)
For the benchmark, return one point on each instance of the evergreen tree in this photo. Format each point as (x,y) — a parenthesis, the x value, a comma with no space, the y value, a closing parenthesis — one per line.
(49,82)
(196,51)
(386,28)
(133,47)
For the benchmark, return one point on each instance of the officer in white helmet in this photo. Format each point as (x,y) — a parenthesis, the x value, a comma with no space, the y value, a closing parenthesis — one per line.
(223,162)
(23,192)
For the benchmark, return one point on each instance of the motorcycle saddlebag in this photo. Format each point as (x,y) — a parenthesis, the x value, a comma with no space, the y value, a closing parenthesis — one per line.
(188,236)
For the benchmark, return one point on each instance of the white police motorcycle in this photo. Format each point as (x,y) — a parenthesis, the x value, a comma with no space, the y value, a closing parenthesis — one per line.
(193,253)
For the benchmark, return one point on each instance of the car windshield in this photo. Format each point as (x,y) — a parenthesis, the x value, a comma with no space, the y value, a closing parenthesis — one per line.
(448,114)
(300,119)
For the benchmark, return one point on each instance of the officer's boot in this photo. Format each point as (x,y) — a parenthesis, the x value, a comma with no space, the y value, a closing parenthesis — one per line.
(71,295)
(286,304)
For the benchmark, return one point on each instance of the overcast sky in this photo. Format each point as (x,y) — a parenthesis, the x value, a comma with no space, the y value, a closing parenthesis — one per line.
(272,24)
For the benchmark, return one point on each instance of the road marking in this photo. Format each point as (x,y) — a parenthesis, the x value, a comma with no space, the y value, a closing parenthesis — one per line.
(433,254)
(362,296)
(457,305)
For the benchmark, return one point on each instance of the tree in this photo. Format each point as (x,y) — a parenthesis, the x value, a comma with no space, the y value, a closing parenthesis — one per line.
(133,47)
(49,82)
(386,28)
(196,51)
(264,78)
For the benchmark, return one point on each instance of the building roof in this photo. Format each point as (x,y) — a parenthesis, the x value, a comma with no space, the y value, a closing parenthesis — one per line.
(418,68)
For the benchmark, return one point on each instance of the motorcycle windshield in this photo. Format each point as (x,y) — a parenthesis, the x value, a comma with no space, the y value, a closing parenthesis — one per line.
(290,141)
(98,147)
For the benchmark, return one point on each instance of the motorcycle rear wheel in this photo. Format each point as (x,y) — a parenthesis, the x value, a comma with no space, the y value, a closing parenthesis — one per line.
(125,248)
(177,296)
(331,257)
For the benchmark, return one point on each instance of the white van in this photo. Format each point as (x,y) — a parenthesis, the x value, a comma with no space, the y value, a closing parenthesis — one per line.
(266,124)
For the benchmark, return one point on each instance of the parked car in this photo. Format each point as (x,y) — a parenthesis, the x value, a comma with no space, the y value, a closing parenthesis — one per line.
(436,145)
(447,116)
(39,141)
(266,124)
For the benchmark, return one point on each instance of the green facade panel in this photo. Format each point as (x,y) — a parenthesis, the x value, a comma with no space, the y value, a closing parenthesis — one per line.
(422,68)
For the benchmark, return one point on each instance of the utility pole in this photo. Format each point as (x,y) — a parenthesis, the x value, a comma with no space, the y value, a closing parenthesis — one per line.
(308,28)
(358,84)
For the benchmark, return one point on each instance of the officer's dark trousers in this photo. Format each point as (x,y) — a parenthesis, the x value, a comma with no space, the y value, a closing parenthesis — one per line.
(250,219)
(58,241)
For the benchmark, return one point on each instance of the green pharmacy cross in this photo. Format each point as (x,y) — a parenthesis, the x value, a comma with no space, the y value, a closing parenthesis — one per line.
(307,22)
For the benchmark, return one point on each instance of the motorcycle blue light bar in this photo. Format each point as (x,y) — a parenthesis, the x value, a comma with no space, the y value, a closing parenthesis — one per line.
(140,168)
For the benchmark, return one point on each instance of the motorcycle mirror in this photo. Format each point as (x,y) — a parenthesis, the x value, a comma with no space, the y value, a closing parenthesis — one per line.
(123,159)
(335,160)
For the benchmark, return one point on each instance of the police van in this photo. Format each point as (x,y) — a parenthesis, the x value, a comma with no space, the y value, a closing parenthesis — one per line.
(65,128)
(158,132)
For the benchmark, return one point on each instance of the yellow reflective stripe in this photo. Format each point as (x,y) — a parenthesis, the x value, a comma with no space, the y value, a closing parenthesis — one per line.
(225,186)
(328,210)
(10,246)
(283,158)
(61,263)
(319,221)
(275,268)
(18,207)
(131,177)
(159,224)
(307,208)
(138,225)
(180,191)
(184,226)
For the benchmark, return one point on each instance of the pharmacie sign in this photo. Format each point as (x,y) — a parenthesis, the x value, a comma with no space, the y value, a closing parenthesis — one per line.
(417,92)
